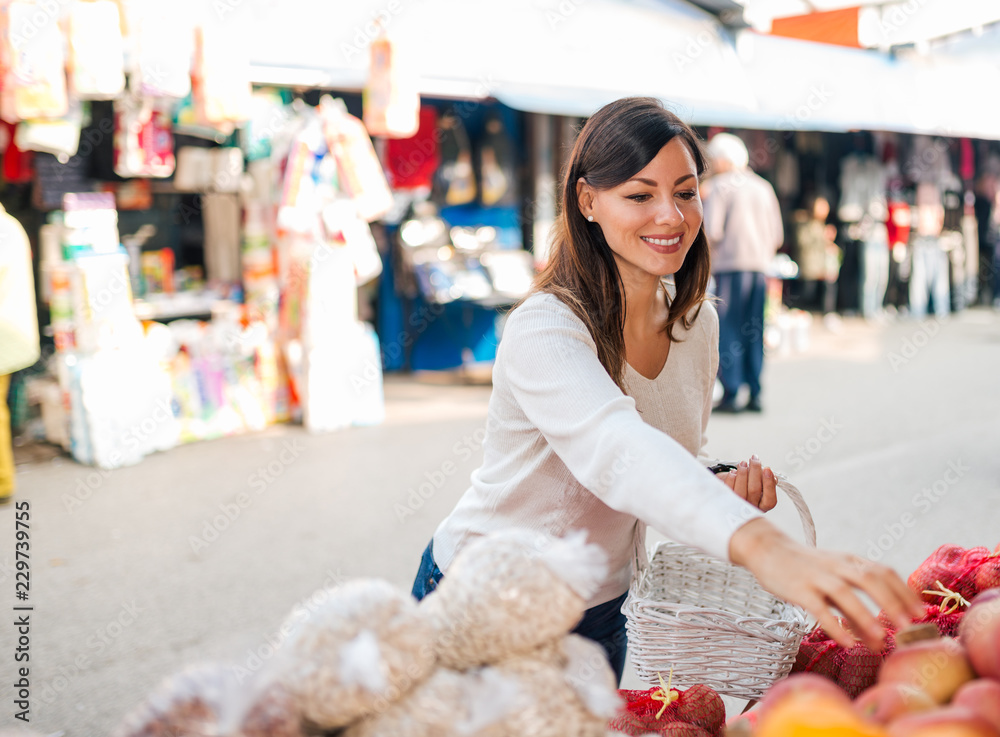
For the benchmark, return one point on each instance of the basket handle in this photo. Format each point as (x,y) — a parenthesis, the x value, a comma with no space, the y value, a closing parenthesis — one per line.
(640,558)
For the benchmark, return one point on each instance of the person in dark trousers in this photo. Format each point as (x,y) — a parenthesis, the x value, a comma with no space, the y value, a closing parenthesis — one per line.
(743,225)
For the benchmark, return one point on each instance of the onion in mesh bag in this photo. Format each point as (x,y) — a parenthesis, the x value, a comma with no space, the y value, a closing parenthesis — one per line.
(543,703)
(209,699)
(588,672)
(510,592)
(448,704)
(362,647)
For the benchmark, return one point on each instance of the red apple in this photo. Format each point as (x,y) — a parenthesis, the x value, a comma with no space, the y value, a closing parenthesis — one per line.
(884,702)
(980,633)
(987,595)
(937,667)
(981,696)
(802,686)
(951,721)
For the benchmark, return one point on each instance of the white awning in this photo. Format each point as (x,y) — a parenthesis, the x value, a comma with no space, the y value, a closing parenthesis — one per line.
(569,57)
(553,56)
(834,88)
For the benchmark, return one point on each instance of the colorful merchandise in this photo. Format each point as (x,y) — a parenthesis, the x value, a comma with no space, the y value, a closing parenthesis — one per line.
(411,162)
(361,175)
(391,101)
(96,63)
(164,39)
(220,81)
(144,141)
(35,83)
(57,136)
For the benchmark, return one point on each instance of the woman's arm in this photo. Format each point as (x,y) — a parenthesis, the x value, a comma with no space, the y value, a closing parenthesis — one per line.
(822,581)
(549,363)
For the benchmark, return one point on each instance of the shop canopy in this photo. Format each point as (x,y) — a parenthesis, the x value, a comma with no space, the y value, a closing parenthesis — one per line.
(569,57)
(837,89)
(549,56)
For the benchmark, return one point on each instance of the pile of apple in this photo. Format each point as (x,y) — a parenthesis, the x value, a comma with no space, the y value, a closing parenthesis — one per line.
(924,688)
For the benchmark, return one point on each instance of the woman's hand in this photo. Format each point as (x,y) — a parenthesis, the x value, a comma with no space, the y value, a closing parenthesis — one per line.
(751,482)
(822,581)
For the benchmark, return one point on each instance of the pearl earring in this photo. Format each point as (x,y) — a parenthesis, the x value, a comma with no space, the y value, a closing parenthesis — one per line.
(590,218)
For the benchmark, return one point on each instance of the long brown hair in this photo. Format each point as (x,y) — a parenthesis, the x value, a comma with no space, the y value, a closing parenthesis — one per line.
(617,142)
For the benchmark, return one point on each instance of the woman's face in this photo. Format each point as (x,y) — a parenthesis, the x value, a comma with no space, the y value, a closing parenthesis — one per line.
(651,220)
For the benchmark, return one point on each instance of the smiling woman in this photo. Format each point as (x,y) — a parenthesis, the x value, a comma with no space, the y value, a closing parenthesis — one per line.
(602,390)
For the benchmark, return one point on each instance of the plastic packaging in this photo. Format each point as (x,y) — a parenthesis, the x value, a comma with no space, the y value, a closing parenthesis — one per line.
(364,646)
(96,62)
(35,84)
(511,592)
(209,700)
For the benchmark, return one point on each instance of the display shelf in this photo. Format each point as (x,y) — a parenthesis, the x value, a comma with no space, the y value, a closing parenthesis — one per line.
(175,306)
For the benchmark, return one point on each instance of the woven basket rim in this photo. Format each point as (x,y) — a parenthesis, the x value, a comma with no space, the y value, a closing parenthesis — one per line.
(798,615)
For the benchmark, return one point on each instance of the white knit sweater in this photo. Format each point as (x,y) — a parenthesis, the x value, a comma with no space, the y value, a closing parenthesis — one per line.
(566,450)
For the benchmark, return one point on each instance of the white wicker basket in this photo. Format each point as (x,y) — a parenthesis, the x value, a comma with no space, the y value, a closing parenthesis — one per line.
(710,622)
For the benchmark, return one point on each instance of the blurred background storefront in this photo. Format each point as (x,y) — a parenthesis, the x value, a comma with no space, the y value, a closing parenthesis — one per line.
(243,212)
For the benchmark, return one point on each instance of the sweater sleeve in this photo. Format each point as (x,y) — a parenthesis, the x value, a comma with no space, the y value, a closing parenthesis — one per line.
(550,362)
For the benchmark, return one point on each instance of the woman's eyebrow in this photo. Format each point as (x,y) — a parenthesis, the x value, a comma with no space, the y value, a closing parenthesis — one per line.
(652,183)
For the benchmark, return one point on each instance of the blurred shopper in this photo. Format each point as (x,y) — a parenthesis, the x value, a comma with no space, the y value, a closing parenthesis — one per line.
(898,226)
(743,225)
(929,266)
(602,390)
(987,210)
(863,208)
(818,257)
(19,344)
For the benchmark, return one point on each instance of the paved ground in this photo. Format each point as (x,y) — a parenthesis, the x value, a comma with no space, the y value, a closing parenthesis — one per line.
(891,430)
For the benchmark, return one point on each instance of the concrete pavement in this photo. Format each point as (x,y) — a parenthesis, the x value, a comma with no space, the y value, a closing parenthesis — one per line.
(890,430)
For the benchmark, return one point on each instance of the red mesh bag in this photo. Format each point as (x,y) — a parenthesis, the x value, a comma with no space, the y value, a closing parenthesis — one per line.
(670,712)
(953,569)
(855,669)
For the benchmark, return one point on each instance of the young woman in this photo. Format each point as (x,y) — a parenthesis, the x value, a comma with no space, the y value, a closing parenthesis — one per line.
(602,390)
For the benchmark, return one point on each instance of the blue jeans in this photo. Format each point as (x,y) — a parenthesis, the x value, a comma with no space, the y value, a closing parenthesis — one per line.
(876,277)
(741,330)
(929,277)
(604,623)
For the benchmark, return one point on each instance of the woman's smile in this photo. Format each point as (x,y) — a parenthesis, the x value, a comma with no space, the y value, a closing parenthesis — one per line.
(663,243)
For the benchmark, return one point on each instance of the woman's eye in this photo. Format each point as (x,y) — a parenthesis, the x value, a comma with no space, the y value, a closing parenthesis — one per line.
(688,195)
(638,197)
